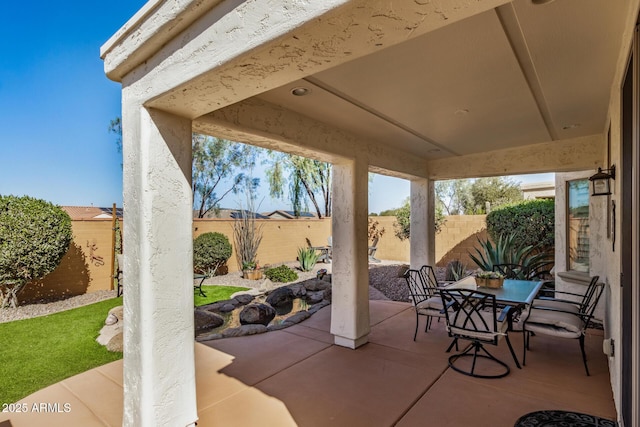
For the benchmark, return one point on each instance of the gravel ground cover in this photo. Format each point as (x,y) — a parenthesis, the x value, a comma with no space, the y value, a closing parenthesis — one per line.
(36,310)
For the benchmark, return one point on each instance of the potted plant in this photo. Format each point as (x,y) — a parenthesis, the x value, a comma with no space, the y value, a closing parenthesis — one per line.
(489,279)
(251,270)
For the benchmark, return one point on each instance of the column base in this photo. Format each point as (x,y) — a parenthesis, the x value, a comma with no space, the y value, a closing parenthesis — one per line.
(349,342)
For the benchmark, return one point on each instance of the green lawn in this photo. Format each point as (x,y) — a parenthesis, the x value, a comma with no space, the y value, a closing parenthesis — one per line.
(215,293)
(38,352)
(41,351)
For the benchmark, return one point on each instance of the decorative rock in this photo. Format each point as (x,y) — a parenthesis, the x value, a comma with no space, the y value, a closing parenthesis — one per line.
(115,344)
(226,308)
(244,299)
(254,314)
(281,296)
(204,319)
(314,297)
(112,330)
(278,326)
(298,317)
(316,285)
(216,306)
(115,315)
(244,330)
(318,306)
(298,290)
(208,337)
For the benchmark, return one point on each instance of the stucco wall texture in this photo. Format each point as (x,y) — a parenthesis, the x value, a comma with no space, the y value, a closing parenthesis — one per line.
(87,265)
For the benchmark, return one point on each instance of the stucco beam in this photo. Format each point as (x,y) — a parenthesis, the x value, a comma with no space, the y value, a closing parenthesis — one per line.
(156,23)
(239,49)
(556,156)
(270,126)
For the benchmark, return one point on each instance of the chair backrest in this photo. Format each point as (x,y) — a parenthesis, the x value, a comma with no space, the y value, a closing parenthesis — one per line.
(470,314)
(429,278)
(417,289)
(512,271)
(589,295)
(590,302)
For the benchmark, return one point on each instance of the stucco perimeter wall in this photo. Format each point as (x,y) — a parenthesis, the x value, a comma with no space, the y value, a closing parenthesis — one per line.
(455,240)
(86,267)
(280,238)
(459,237)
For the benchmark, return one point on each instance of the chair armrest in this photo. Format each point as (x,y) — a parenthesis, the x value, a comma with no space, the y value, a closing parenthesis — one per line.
(562,293)
(583,316)
(449,304)
(505,311)
(558,300)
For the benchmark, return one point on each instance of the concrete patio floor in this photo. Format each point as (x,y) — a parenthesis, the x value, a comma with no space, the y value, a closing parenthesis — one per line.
(296,376)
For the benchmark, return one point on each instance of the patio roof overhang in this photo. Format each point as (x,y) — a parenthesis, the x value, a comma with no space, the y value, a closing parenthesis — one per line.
(434,81)
(417,89)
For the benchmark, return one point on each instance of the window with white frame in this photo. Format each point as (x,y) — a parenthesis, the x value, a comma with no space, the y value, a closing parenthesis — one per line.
(578,225)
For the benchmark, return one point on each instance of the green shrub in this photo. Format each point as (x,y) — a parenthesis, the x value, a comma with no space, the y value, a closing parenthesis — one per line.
(308,258)
(402,224)
(34,236)
(281,273)
(210,252)
(532,223)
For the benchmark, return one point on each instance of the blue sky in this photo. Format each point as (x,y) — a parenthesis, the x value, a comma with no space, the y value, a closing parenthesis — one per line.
(56,104)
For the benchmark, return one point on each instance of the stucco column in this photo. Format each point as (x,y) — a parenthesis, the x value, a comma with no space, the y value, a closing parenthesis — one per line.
(159,370)
(350,270)
(423,237)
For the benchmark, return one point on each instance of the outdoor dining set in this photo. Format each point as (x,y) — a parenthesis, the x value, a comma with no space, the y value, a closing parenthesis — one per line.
(482,315)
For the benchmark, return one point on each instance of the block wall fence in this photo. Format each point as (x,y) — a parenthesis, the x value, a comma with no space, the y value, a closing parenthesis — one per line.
(87,265)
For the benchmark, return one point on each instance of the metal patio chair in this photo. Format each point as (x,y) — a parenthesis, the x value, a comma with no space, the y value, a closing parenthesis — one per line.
(559,318)
(473,316)
(426,300)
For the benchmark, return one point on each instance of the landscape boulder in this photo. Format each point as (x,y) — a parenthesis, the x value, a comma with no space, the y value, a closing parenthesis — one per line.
(257,314)
(280,297)
(316,285)
(111,333)
(204,320)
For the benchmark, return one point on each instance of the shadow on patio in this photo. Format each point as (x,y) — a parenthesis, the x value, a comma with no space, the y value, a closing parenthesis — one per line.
(297,377)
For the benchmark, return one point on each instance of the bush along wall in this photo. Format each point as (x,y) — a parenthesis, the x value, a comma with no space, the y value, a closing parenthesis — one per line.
(34,236)
(532,222)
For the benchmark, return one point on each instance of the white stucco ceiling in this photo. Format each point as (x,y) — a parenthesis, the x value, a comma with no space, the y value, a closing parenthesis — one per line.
(516,75)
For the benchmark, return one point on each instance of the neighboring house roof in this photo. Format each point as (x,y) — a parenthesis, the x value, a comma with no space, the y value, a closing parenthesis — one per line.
(539,190)
(281,214)
(91,212)
(242,213)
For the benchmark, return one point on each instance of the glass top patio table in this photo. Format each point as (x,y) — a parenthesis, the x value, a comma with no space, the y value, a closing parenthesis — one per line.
(513,292)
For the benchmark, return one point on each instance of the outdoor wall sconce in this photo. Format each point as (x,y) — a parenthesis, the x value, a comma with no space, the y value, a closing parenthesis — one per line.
(601,181)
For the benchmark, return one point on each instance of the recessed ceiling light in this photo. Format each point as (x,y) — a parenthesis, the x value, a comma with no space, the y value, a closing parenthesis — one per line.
(571,126)
(541,1)
(300,91)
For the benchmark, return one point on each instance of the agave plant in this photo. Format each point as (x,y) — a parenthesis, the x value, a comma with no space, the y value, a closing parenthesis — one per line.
(507,251)
(307,258)
(456,270)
